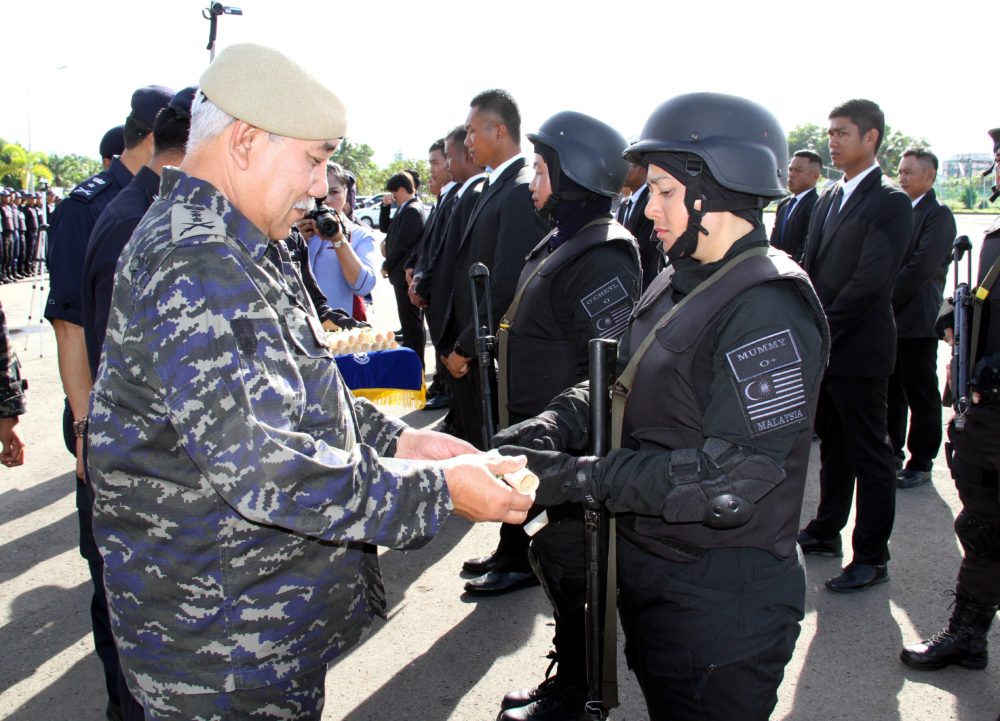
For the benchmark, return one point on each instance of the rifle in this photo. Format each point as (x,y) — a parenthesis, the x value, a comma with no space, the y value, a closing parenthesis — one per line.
(602,684)
(962,300)
(485,344)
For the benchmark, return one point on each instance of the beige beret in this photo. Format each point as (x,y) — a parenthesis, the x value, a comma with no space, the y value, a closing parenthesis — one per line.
(262,87)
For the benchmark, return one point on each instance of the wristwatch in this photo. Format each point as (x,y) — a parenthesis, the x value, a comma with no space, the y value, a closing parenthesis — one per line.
(80,426)
(338,243)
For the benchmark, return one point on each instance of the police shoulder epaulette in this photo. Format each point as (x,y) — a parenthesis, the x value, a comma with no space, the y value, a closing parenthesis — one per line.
(92,187)
(195,223)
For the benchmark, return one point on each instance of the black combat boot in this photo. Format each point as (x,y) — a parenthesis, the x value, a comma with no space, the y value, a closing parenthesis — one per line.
(555,700)
(961,642)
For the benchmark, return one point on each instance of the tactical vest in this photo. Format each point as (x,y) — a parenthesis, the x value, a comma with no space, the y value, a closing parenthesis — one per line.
(664,412)
(539,356)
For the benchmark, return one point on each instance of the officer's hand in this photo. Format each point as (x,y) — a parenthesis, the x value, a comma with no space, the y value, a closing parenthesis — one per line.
(408,272)
(415,297)
(12,453)
(329,325)
(543,432)
(381,247)
(457,365)
(562,478)
(386,198)
(425,445)
(80,473)
(477,493)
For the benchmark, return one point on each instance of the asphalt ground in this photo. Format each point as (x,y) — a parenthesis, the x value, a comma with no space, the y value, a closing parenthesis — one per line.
(445,656)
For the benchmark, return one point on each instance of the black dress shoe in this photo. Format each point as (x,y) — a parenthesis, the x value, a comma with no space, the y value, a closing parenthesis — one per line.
(559,702)
(498,582)
(482,565)
(812,546)
(436,403)
(910,478)
(857,577)
(524,696)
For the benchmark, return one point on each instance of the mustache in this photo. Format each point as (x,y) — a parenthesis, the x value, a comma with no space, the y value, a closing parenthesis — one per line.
(306,205)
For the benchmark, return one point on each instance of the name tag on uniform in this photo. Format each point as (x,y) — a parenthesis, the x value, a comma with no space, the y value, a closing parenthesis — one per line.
(768,375)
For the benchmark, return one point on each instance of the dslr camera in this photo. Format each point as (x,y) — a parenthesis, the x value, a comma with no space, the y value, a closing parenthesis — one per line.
(327,222)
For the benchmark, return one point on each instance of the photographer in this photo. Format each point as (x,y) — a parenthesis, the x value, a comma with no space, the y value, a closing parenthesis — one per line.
(345,263)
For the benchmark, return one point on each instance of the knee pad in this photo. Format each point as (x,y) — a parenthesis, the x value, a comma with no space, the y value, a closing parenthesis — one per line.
(979,537)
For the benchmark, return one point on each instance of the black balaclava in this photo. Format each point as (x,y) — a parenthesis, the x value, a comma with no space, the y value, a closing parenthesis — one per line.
(571,206)
(699,182)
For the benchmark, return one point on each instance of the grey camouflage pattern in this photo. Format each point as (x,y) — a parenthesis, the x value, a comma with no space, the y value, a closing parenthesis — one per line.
(238,484)
(12,386)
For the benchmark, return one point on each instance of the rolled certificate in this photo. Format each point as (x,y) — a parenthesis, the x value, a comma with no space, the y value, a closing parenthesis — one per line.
(522,481)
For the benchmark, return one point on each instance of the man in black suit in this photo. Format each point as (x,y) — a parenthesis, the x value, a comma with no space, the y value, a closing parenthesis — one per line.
(859,233)
(916,299)
(501,230)
(791,222)
(632,214)
(404,233)
(420,265)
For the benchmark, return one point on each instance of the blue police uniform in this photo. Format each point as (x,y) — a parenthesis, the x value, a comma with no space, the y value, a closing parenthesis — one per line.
(69,233)
(110,234)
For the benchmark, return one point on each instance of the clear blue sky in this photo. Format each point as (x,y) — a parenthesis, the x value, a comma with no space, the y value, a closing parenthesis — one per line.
(406,70)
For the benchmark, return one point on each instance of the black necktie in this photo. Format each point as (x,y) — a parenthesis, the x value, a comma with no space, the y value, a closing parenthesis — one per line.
(831,217)
(788,214)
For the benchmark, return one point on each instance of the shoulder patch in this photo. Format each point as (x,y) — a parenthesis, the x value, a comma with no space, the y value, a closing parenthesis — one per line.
(768,377)
(91,187)
(194,221)
(609,308)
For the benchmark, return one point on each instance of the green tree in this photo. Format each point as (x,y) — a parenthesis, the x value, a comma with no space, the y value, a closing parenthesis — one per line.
(358,159)
(69,170)
(891,151)
(17,164)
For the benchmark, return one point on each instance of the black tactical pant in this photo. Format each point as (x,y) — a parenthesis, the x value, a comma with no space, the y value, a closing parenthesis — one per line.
(708,640)
(914,396)
(975,462)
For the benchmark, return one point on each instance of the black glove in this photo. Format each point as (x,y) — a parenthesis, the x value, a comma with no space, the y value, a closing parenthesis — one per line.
(562,478)
(544,432)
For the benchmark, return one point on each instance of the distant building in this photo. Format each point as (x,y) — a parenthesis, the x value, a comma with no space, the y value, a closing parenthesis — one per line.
(968,165)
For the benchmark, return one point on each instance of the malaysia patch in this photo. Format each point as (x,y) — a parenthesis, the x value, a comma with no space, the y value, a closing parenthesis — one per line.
(768,375)
(608,295)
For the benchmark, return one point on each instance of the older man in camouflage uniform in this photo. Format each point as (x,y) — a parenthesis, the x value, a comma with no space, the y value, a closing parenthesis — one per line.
(240,488)
(12,404)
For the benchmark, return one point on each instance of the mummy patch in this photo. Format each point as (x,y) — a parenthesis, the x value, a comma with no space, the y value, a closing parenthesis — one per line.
(768,375)
(609,308)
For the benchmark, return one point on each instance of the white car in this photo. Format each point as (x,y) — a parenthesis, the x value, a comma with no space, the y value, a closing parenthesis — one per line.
(369,215)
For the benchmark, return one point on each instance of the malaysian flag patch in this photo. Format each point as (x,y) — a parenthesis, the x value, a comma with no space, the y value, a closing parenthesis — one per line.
(768,375)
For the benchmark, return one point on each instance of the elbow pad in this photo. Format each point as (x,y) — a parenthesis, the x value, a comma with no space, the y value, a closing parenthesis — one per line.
(718,485)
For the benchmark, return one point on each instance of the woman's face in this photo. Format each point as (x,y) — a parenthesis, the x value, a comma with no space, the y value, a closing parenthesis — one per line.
(337,197)
(541,184)
(666,206)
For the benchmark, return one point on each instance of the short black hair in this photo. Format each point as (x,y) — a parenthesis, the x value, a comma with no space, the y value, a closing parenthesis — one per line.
(400,180)
(135,132)
(437,145)
(811,155)
(457,135)
(415,177)
(500,103)
(170,130)
(866,114)
(922,154)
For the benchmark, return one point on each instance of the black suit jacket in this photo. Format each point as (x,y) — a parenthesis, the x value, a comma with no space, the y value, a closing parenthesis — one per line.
(853,266)
(501,231)
(443,278)
(404,233)
(793,239)
(919,288)
(641,228)
(424,260)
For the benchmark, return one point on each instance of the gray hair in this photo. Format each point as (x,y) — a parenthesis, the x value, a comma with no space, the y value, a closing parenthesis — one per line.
(208,121)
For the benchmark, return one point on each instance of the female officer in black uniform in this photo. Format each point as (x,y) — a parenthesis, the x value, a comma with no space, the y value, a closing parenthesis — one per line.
(580,282)
(725,352)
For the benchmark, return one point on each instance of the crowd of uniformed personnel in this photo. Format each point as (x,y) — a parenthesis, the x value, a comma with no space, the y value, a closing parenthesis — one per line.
(197,372)
(23,220)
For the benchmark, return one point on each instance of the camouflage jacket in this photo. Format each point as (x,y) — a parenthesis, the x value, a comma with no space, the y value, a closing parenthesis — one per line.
(12,386)
(238,484)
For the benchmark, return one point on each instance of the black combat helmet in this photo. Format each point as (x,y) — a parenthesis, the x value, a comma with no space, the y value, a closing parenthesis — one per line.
(589,151)
(740,141)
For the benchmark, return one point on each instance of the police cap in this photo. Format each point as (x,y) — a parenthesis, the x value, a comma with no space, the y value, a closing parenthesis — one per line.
(113,142)
(263,87)
(147,102)
(181,102)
